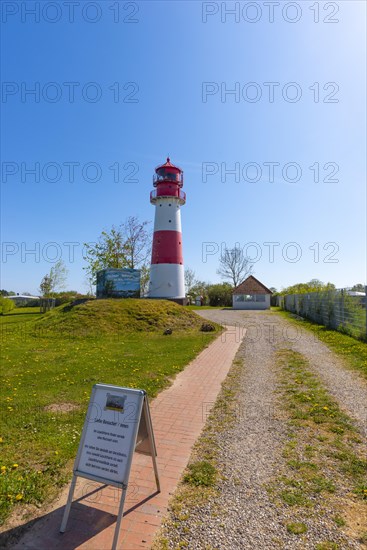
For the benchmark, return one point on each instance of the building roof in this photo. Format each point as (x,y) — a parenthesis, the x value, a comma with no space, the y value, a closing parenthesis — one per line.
(168,164)
(251,286)
(23,296)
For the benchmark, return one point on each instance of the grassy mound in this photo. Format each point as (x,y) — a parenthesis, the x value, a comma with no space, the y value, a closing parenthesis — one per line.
(102,317)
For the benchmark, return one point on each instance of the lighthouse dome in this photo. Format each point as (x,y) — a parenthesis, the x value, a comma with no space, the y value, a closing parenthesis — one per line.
(168,165)
(168,172)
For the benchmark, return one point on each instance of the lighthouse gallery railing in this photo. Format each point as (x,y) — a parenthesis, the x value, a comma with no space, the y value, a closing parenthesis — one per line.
(179,194)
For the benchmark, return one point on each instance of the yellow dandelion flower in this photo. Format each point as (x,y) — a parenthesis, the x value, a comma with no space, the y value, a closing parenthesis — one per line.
(325,408)
(3,468)
(1,440)
(19,497)
(15,466)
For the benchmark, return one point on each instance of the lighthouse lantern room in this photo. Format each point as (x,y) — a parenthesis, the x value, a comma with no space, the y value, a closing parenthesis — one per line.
(167,270)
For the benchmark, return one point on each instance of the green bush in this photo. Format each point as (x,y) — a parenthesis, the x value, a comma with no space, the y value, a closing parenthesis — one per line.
(6,305)
(220,295)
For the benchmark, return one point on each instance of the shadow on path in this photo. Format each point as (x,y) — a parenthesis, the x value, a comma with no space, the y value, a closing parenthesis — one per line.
(85,522)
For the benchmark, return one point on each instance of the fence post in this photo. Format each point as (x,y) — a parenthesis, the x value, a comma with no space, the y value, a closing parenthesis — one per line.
(365,305)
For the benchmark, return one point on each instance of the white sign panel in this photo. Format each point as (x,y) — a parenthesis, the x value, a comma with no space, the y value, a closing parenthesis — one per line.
(109,434)
(118,423)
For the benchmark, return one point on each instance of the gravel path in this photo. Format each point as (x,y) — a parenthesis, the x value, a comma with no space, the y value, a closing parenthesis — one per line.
(244,517)
(347,387)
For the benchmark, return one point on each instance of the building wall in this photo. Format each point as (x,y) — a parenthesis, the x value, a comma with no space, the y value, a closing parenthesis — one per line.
(251,304)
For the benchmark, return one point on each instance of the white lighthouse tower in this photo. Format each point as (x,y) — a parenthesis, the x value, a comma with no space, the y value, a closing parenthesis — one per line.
(167,270)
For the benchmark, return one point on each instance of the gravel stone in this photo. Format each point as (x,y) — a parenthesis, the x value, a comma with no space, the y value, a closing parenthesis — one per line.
(243,516)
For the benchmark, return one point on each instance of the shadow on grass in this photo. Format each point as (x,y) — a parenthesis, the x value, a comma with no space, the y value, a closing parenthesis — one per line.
(85,522)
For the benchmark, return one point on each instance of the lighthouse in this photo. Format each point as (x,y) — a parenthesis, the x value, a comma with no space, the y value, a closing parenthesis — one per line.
(167,270)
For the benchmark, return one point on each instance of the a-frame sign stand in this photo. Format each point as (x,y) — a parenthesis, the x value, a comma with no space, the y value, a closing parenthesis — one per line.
(118,423)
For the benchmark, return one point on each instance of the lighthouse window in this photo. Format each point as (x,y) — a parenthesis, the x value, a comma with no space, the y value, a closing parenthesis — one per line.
(169,221)
(169,204)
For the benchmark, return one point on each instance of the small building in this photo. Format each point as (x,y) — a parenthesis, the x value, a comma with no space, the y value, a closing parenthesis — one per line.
(118,283)
(251,294)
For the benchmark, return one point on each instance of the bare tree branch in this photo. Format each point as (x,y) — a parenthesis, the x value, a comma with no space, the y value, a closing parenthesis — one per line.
(234,265)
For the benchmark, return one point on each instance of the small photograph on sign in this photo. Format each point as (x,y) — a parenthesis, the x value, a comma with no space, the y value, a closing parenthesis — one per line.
(115,402)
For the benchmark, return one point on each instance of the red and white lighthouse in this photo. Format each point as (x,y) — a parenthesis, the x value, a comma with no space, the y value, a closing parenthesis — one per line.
(167,270)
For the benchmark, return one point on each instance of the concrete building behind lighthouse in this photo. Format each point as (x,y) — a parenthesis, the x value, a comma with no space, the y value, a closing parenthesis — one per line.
(167,269)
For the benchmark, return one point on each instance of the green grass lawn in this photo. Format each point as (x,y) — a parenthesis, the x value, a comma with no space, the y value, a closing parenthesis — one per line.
(45,372)
(353,351)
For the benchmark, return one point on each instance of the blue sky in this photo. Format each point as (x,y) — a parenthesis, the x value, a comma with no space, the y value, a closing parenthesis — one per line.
(158,85)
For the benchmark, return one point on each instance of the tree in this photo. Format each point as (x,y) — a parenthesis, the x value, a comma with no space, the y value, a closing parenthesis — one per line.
(315,285)
(190,279)
(200,288)
(55,280)
(144,280)
(137,241)
(46,285)
(6,305)
(358,287)
(127,245)
(234,265)
(220,295)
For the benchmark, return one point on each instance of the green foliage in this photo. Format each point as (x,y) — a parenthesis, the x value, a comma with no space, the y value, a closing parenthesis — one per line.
(359,287)
(328,306)
(144,280)
(54,280)
(220,295)
(6,305)
(201,473)
(200,288)
(126,245)
(69,296)
(190,279)
(46,285)
(303,288)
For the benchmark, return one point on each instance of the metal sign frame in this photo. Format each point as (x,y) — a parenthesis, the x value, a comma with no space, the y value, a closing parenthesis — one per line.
(143,427)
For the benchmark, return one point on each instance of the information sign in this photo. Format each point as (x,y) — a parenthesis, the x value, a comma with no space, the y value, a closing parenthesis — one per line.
(118,422)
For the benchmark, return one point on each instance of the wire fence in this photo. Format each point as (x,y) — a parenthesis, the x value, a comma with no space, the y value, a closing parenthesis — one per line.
(339,309)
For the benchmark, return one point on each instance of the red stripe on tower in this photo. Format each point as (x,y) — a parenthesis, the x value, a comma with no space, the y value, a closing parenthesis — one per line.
(167,247)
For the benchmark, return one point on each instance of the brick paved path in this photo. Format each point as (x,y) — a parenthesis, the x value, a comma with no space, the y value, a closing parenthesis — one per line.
(178,416)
